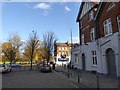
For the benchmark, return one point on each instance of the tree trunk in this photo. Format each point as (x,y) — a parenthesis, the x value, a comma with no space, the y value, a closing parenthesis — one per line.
(31,64)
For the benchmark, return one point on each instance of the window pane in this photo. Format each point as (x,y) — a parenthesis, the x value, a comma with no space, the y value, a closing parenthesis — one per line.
(119,17)
(110,28)
(96,60)
(93,60)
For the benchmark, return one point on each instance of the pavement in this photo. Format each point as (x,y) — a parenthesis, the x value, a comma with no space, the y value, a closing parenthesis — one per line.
(24,78)
(88,79)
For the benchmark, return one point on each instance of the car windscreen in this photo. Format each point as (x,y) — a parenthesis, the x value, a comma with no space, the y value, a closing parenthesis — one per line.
(1,65)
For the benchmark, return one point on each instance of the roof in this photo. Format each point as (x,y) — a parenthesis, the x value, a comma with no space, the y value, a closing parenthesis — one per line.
(80,9)
(102,4)
(68,44)
(63,44)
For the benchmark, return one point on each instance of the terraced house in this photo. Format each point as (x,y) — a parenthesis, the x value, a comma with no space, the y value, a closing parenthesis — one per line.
(99,31)
(62,53)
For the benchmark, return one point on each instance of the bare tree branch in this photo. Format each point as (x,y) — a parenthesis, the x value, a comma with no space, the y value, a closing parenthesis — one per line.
(48,42)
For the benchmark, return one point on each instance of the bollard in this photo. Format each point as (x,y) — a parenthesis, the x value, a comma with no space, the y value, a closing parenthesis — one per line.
(78,77)
(68,72)
(118,83)
(71,72)
(97,82)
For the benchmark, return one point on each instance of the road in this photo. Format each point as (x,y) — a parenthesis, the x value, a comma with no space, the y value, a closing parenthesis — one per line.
(35,79)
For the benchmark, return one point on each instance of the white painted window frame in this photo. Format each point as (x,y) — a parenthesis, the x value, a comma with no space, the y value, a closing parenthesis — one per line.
(76,61)
(107,27)
(118,21)
(111,6)
(92,34)
(91,15)
(94,57)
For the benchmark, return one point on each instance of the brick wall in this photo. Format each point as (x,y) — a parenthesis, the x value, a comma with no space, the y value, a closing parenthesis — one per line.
(112,13)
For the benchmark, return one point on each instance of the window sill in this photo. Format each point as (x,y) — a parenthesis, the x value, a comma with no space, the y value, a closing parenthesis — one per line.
(83,44)
(75,63)
(93,40)
(108,34)
(94,65)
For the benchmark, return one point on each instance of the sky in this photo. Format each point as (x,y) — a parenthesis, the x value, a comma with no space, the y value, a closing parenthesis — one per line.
(24,17)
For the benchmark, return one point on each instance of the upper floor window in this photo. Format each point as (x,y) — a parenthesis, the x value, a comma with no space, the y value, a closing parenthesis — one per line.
(60,53)
(82,39)
(94,58)
(92,34)
(62,48)
(91,15)
(66,48)
(107,27)
(59,48)
(118,20)
(111,6)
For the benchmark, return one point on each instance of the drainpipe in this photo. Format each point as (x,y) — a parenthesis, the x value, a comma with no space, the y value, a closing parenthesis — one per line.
(118,58)
(98,41)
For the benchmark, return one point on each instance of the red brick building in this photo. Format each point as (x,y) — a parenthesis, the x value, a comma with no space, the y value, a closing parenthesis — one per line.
(99,31)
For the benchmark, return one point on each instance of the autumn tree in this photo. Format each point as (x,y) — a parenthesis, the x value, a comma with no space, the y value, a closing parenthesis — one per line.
(15,39)
(48,43)
(32,46)
(16,42)
(9,51)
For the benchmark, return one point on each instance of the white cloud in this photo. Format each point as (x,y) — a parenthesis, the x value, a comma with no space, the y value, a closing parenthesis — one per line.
(67,8)
(42,6)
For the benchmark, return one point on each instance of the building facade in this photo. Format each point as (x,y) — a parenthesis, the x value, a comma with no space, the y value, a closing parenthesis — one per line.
(75,61)
(99,30)
(62,53)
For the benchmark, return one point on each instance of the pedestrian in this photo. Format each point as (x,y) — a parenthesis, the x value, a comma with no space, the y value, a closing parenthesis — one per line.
(64,66)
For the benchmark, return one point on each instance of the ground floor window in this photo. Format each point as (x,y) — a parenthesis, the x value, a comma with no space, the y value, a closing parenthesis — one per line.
(76,58)
(94,58)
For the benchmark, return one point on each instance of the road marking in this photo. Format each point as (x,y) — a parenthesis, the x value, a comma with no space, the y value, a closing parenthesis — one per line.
(66,79)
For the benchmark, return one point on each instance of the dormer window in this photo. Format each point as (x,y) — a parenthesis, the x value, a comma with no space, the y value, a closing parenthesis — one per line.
(91,15)
(111,6)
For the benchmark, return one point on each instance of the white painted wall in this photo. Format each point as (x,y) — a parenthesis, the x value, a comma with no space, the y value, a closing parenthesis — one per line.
(100,47)
(76,50)
(113,44)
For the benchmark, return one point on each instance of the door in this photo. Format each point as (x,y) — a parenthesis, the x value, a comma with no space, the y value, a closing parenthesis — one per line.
(83,62)
(111,65)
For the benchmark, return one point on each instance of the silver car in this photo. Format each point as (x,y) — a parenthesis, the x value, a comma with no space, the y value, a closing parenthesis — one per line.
(5,68)
(45,68)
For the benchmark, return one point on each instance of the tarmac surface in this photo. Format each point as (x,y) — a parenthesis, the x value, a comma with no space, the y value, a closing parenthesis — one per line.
(34,79)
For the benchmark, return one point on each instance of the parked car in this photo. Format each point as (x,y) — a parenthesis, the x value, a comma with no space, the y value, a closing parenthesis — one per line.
(5,68)
(8,67)
(45,68)
(15,65)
